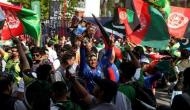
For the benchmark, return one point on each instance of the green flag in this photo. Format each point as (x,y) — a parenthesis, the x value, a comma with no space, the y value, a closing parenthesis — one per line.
(159,3)
(167,9)
(19,21)
(31,22)
(153,32)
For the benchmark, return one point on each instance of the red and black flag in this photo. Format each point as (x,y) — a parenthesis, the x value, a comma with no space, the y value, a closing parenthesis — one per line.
(153,32)
(129,15)
(19,21)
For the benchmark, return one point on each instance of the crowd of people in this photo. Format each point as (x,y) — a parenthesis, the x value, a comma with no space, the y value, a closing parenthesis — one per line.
(85,72)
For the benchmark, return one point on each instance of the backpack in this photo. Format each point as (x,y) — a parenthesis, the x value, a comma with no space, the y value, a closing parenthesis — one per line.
(144,99)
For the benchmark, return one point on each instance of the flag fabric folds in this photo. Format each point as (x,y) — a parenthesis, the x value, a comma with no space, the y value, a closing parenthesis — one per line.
(153,32)
(179,22)
(116,29)
(128,15)
(114,26)
(158,3)
(126,19)
(105,35)
(19,21)
(167,9)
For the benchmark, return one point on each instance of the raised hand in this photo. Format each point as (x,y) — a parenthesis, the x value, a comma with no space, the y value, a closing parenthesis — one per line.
(15,40)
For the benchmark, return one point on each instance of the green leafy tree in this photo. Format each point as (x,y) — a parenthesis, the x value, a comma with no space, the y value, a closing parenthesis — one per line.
(110,7)
(44,5)
(71,7)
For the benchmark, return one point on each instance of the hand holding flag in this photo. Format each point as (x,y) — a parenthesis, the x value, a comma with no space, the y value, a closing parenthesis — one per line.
(104,33)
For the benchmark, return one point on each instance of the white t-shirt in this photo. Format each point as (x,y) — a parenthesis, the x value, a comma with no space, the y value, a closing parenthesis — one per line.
(52,56)
(19,105)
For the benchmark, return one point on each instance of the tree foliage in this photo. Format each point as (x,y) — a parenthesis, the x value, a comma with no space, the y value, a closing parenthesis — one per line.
(71,7)
(44,5)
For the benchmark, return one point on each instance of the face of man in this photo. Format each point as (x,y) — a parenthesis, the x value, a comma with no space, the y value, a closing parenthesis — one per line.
(89,46)
(92,31)
(36,56)
(92,61)
(14,52)
(71,61)
(62,41)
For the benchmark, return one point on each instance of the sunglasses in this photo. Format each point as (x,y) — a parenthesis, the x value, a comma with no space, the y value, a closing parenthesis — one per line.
(36,55)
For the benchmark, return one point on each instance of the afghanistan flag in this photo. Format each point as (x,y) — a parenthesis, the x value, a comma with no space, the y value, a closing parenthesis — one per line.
(179,22)
(167,9)
(114,26)
(129,15)
(184,43)
(153,31)
(19,21)
(158,3)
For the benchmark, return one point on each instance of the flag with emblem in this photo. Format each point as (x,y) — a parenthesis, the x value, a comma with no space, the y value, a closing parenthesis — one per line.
(153,31)
(114,26)
(179,22)
(19,21)
(128,15)
(184,43)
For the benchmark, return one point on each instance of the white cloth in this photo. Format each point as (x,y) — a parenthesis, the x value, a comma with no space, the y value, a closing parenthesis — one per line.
(122,102)
(60,74)
(19,105)
(54,108)
(144,60)
(20,86)
(137,74)
(3,65)
(52,56)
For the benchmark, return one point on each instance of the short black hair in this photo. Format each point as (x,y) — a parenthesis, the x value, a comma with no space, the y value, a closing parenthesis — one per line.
(43,71)
(127,69)
(37,95)
(35,50)
(67,56)
(109,88)
(5,81)
(59,88)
